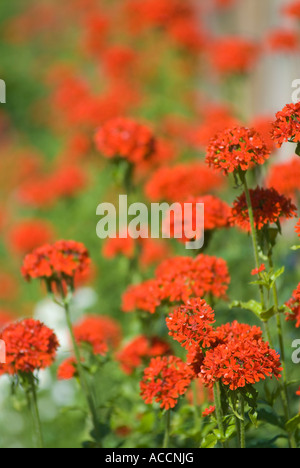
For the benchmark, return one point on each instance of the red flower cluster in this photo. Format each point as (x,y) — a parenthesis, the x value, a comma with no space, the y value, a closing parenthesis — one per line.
(177,280)
(191,324)
(241,360)
(282,40)
(263,126)
(57,263)
(287,125)
(294,305)
(256,271)
(293,9)
(209,411)
(181,182)
(285,177)
(233,55)
(268,205)
(30,346)
(165,380)
(28,235)
(236,148)
(98,331)
(125,138)
(119,246)
(216,216)
(139,350)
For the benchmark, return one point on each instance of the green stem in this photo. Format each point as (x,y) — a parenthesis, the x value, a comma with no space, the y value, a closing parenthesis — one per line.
(82,379)
(219,413)
(255,247)
(35,413)
(167,430)
(242,423)
(283,387)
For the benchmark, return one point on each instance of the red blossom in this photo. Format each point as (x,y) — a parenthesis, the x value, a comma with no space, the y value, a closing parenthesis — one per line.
(209,411)
(67,369)
(165,380)
(297,228)
(233,55)
(284,177)
(287,125)
(100,332)
(30,346)
(293,315)
(256,271)
(29,234)
(281,40)
(236,148)
(268,205)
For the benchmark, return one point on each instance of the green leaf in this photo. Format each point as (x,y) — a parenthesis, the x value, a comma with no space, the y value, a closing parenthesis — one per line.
(295,247)
(268,314)
(210,441)
(269,416)
(276,275)
(252,305)
(292,424)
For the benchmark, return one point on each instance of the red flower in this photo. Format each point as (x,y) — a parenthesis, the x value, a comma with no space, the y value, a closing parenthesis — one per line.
(298,392)
(209,411)
(30,346)
(216,216)
(263,126)
(191,324)
(28,235)
(284,177)
(140,349)
(268,205)
(287,125)
(293,9)
(236,148)
(119,246)
(178,183)
(256,271)
(125,138)
(282,40)
(177,280)
(294,305)
(67,369)
(187,34)
(165,380)
(233,55)
(240,358)
(57,263)
(99,331)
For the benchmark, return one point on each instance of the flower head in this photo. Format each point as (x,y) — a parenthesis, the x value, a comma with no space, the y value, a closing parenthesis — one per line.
(30,346)
(268,205)
(233,55)
(125,138)
(284,177)
(297,228)
(100,332)
(209,411)
(165,380)
(28,235)
(57,263)
(293,315)
(236,148)
(287,125)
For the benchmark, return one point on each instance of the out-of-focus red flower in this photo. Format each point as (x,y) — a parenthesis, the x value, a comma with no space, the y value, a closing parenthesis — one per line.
(233,55)
(180,222)
(145,297)
(29,234)
(268,205)
(240,359)
(96,29)
(30,346)
(209,411)
(100,332)
(285,176)
(186,33)
(125,138)
(67,181)
(153,252)
(191,324)
(165,380)
(236,148)
(67,369)
(256,271)
(263,126)
(181,182)
(139,350)
(287,125)
(118,60)
(119,246)
(57,263)
(294,305)
(282,40)
(216,119)
(292,9)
